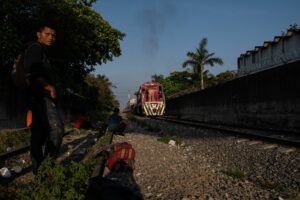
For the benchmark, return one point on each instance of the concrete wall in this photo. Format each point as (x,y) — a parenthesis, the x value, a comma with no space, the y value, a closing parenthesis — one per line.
(286,50)
(268,99)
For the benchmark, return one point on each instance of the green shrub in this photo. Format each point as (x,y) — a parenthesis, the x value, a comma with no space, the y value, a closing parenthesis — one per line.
(236,174)
(55,181)
(130,116)
(97,115)
(14,139)
(296,197)
(3,191)
(167,138)
(267,185)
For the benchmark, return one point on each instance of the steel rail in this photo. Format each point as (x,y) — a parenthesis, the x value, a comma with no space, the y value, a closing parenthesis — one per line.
(6,156)
(275,136)
(14,175)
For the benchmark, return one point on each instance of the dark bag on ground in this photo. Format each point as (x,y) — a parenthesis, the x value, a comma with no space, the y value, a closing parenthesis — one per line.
(116,157)
(106,189)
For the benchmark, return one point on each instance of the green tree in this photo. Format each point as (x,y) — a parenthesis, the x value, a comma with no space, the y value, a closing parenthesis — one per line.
(99,93)
(182,82)
(212,80)
(293,27)
(84,38)
(157,78)
(226,76)
(209,79)
(199,59)
(175,82)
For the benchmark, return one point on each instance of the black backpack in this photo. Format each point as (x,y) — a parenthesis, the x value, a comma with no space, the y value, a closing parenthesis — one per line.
(20,74)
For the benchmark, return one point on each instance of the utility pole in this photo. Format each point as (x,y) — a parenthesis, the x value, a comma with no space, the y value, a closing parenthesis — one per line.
(129,95)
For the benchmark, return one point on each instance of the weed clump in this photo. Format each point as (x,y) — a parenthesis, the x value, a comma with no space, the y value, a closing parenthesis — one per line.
(55,181)
(167,138)
(14,139)
(237,174)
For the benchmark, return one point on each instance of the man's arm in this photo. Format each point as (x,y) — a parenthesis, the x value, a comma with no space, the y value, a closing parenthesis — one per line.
(46,86)
(34,61)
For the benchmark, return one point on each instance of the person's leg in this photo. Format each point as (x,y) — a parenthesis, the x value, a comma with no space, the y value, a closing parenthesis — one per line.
(36,148)
(38,134)
(56,129)
(121,128)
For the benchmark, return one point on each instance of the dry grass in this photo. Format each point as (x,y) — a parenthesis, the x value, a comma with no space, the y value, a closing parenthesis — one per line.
(13,139)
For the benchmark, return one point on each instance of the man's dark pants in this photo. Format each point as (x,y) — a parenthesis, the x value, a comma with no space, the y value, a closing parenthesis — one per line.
(118,129)
(46,131)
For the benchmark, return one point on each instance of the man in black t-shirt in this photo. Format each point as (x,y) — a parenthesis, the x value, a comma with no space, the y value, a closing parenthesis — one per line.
(47,127)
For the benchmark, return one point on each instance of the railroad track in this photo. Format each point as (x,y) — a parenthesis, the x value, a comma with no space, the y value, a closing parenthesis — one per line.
(73,147)
(274,136)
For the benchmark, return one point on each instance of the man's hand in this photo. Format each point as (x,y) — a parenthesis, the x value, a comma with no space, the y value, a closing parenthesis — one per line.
(51,90)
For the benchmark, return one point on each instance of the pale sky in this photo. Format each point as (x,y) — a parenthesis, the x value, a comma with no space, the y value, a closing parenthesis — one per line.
(159,33)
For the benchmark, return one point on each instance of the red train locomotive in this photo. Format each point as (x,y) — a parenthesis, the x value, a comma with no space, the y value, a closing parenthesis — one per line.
(150,99)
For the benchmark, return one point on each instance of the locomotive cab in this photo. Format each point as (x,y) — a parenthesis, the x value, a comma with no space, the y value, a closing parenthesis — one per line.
(150,99)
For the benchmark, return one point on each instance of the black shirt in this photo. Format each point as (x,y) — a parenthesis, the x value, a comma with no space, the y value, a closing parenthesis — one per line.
(36,60)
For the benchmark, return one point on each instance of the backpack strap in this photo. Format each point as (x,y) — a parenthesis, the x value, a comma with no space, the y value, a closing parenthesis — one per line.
(32,45)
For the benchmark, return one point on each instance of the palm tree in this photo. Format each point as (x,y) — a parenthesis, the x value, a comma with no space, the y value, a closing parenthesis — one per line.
(199,59)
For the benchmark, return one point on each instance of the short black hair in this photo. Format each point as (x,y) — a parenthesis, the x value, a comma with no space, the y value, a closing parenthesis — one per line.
(116,110)
(45,23)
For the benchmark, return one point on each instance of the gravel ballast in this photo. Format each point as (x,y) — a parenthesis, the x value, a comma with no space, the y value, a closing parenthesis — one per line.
(209,165)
